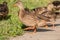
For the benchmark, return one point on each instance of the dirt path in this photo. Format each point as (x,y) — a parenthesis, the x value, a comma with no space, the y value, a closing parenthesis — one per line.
(42,34)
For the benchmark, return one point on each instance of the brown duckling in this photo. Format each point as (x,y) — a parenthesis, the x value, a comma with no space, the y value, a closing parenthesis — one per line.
(50,12)
(57,4)
(47,12)
(29,18)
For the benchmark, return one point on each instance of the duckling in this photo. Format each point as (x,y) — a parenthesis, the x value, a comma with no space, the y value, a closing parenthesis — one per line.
(47,12)
(50,12)
(57,7)
(29,19)
(3,10)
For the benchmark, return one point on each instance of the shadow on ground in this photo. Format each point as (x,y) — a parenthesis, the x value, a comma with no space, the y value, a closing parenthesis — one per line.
(55,25)
(40,30)
(44,30)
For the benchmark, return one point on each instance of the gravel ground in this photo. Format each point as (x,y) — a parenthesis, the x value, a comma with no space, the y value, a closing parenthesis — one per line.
(42,34)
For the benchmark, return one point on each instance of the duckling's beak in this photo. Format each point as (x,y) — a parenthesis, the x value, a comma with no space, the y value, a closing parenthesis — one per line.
(14,5)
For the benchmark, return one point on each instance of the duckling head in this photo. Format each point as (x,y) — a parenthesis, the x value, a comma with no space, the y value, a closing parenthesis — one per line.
(19,4)
(50,7)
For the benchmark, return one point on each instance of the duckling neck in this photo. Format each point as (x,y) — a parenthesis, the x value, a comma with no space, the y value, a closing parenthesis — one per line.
(21,12)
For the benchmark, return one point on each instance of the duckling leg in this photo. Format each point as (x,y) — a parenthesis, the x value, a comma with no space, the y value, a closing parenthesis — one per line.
(29,28)
(46,26)
(34,29)
(53,24)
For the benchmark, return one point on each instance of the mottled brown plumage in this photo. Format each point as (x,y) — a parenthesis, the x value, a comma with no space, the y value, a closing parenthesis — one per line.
(48,12)
(29,18)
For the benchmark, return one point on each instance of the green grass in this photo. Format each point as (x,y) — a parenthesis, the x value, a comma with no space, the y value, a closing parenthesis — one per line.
(12,26)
